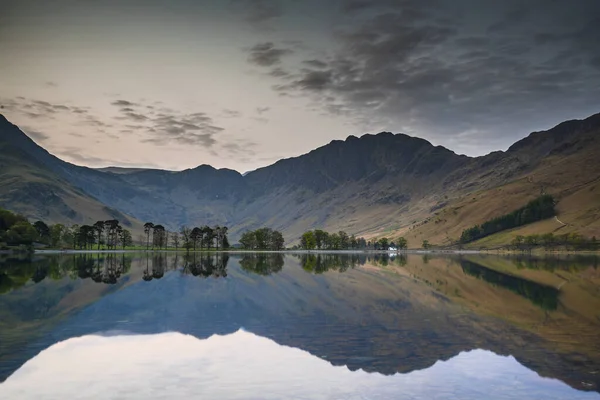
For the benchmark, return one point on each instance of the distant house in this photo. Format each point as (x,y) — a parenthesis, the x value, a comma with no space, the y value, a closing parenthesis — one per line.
(392,249)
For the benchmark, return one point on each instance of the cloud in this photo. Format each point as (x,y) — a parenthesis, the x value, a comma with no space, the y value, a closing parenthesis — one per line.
(259,12)
(123,103)
(315,63)
(262,110)
(428,69)
(231,113)
(266,54)
(78,156)
(190,129)
(35,135)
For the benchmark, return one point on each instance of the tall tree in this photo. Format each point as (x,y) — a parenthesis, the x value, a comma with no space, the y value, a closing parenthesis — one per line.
(148,226)
(43,231)
(320,238)
(196,236)
(308,241)
(158,236)
(402,243)
(175,239)
(99,227)
(186,233)
(126,238)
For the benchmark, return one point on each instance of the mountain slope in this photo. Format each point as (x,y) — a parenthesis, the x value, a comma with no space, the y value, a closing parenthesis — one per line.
(29,187)
(384,184)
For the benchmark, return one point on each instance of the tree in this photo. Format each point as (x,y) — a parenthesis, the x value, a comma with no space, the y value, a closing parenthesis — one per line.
(209,236)
(248,240)
(175,239)
(383,243)
(112,232)
(402,243)
(158,236)
(320,238)
(21,232)
(308,240)
(276,242)
(518,242)
(99,227)
(196,236)
(426,244)
(353,242)
(125,238)
(344,240)
(43,231)
(186,235)
(74,234)
(56,235)
(148,226)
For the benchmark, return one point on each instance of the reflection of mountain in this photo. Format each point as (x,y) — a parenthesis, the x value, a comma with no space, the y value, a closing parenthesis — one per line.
(373,318)
(172,365)
(541,295)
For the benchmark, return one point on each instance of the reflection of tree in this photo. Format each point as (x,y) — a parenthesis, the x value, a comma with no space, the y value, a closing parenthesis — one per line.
(262,263)
(543,296)
(319,263)
(106,269)
(385,260)
(206,265)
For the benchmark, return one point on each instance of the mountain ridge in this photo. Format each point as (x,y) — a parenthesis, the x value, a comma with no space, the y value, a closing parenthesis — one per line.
(373,185)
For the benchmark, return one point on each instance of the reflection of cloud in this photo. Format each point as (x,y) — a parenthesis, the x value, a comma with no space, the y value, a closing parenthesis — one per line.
(173,365)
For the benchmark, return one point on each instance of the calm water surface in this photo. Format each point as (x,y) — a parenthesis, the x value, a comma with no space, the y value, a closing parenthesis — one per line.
(258,326)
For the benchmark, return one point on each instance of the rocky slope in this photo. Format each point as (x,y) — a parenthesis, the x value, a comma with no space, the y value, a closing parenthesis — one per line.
(384,184)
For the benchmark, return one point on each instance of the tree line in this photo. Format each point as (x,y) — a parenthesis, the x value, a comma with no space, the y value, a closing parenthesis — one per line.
(549,241)
(322,240)
(536,210)
(196,238)
(16,230)
(262,239)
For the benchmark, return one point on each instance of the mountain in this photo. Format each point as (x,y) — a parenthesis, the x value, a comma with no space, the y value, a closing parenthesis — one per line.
(31,183)
(375,185)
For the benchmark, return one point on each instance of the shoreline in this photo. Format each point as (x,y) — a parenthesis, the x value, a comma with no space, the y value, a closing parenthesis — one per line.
(395,253)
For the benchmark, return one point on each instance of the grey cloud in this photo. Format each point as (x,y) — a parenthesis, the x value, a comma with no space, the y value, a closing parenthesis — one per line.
(260,11)
(417,72)
(262,110)
(231,113)
(266,54)
(190,129)
(279,73)
(315,63)
(77,155)
(123,103)
(36,135)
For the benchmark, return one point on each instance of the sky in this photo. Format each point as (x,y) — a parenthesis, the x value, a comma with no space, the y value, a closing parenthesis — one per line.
(242,83)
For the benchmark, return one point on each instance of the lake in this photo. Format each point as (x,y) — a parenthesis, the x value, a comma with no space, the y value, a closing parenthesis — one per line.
(286,325)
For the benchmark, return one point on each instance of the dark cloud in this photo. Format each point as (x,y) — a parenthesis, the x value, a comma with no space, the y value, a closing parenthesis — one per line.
(458,72)
(196,129)
(123,103)
(315,63)
(266,54)
(258,12)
